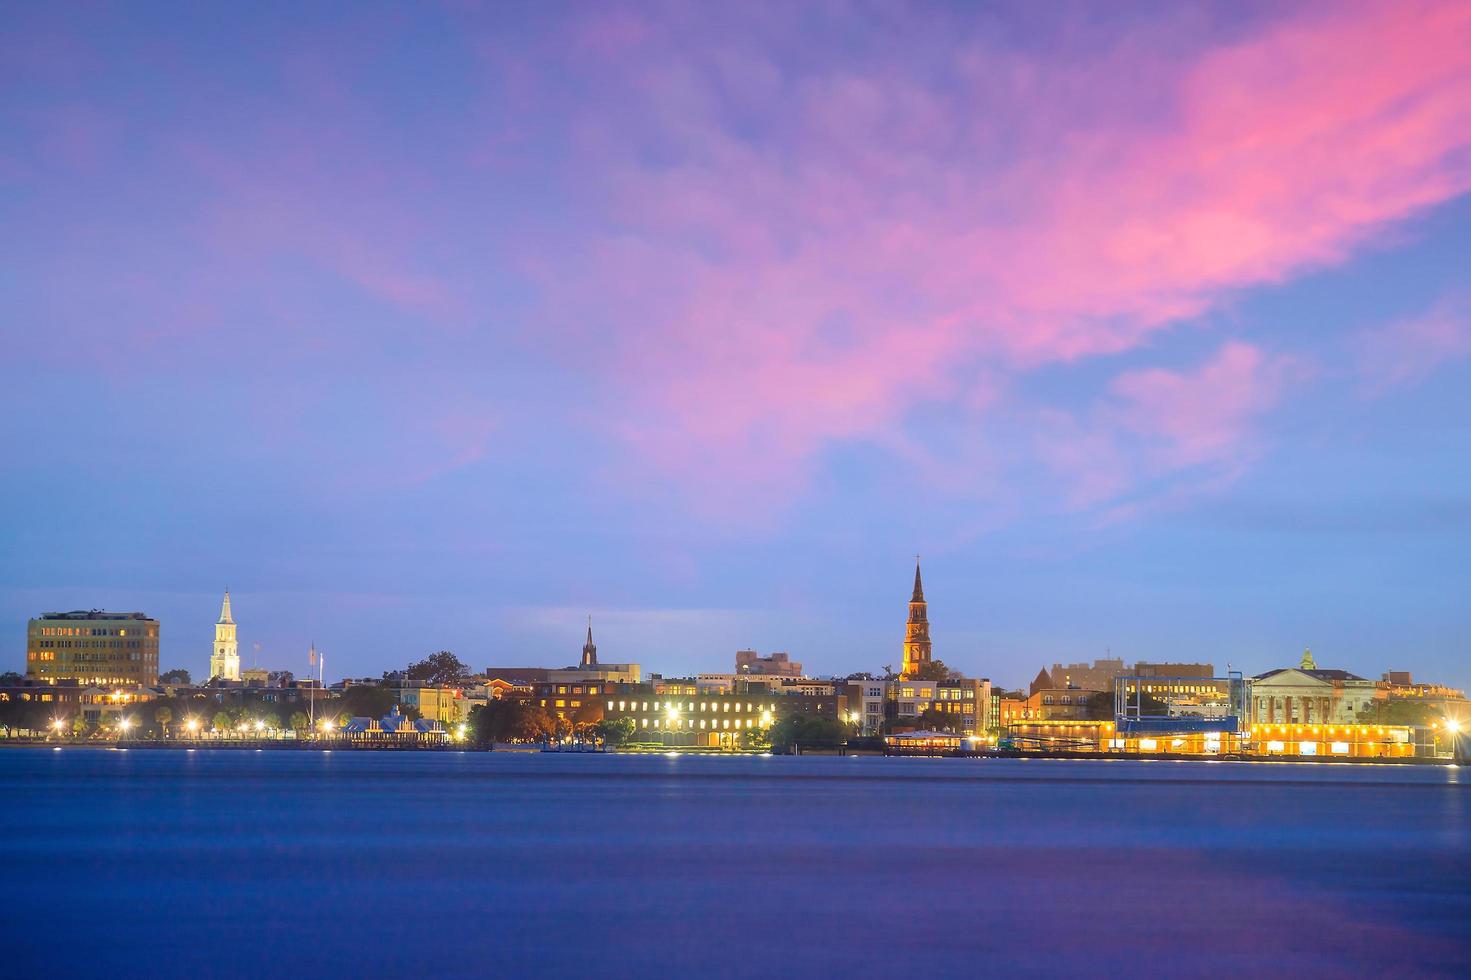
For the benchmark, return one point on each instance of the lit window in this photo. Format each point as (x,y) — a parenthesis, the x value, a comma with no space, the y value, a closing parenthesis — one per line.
(1340,748)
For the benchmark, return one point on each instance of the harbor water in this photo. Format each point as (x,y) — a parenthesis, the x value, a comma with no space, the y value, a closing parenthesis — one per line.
(173,863)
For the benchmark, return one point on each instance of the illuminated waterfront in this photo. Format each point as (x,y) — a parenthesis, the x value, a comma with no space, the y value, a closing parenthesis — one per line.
(460,864)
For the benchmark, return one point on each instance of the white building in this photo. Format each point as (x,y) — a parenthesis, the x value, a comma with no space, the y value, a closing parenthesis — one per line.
(1306,695)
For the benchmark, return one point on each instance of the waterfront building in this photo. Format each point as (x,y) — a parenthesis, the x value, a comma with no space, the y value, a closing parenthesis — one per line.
(1302,742)
(763,682)
(1101,673)
(917,649)
(68,699)
(448,705)
(676,712)
(1309,695)
(1437,699)
(224,659)
(867,699)
(964,700)
(1011,707)
(1049,700)
(922,743)
(95,647)
(394,728)
(1095,676)
(749,662)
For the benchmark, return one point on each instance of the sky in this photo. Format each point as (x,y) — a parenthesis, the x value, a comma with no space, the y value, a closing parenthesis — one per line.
(1148,326)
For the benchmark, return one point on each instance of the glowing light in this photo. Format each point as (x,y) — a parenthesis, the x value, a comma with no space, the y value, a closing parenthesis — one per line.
(326,726)
(260,726)
(125,723)
(192,724)
(57,724)
(1452,725)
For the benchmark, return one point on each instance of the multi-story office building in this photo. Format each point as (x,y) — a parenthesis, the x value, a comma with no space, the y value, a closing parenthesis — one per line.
(966,700)
(93,647)
(677,712)
(449,705)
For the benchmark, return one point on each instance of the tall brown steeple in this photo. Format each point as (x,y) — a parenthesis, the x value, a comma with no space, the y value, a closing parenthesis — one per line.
(917,631)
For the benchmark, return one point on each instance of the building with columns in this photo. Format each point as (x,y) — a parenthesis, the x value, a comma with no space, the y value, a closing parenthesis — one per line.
(224,659)
(1309,695)
(916,631)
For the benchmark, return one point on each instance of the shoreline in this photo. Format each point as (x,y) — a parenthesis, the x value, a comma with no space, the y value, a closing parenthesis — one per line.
(286,745)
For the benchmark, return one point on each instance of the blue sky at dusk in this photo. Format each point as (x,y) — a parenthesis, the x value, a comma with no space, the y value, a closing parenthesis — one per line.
(441,327)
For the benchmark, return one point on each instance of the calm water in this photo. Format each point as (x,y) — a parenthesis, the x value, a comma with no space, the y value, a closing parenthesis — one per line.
(264,864)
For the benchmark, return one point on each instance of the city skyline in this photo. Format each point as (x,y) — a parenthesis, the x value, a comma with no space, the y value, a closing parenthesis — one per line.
(1149,331)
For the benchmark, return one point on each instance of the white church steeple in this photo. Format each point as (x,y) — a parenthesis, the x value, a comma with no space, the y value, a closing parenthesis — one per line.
(224,661)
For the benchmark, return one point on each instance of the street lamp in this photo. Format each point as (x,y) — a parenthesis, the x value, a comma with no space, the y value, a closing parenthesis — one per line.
(124,724)
(193,725)
(260,726)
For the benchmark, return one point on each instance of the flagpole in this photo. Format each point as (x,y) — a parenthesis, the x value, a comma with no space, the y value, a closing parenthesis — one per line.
(312,698)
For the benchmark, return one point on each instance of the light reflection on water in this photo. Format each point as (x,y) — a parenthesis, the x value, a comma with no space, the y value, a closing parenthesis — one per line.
(220,863)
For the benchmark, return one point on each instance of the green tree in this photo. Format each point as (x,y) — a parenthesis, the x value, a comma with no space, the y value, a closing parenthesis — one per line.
(1400,711)
(299,721)
(163,714)
(509,720)
(756,739)
(932,670)
(79,725)
(615,731)
(934,720)
(442,668)
(223,722)
(272,720)
(176,676)
(800,730)
(366,700)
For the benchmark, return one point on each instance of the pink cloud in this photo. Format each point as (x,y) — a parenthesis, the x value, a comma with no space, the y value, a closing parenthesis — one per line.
(894,206)
(1410,349)
(1156,424)
(1201,416)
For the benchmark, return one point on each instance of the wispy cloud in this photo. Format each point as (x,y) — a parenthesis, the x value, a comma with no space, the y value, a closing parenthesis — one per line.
(1408,350)
(872,242)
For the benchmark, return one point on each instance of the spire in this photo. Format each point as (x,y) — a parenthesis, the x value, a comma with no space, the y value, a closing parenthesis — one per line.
(1307,660)
(225,608)
(918,585)
(589,649)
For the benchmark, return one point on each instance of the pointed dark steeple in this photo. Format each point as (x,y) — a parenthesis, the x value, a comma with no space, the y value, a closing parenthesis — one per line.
(917,630)
(589,649)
